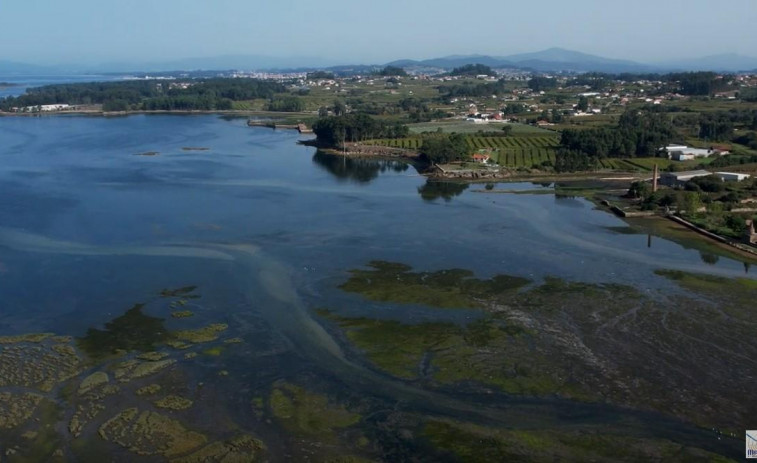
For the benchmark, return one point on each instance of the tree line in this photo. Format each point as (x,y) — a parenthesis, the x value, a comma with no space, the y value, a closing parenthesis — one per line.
(206,94)
(354,127)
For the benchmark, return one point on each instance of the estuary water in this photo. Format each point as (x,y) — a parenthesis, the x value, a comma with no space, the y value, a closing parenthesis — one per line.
(20,83)
(99,214)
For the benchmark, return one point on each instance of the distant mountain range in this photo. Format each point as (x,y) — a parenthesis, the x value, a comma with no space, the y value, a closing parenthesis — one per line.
(560,59)
(550,60)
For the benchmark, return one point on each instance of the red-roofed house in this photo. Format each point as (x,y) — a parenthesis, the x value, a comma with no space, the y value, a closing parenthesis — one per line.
(481,158)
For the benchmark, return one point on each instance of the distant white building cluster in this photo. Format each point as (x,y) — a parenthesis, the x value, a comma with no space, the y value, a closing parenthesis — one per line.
(680,178)
(687,153)
(42,108)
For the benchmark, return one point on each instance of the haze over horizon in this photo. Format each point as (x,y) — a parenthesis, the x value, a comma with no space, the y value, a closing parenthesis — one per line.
(46,32)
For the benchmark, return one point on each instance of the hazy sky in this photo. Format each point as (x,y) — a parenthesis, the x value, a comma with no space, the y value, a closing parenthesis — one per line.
(354,31)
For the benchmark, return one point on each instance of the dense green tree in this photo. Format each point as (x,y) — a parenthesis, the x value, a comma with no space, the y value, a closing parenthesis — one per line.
(392,71)
(638,133)
(473,70)
(640,190)
(583,104)
(286,104)
(333,130)
(442,149)
(540,83)
(715,127)
(115,105)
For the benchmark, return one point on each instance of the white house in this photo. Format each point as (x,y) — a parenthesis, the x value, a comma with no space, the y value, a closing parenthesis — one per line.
(685,153)
(731,176)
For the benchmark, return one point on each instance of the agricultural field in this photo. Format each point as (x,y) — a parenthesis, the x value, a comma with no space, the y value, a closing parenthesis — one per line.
(505,151)
(516,151)
(461,126)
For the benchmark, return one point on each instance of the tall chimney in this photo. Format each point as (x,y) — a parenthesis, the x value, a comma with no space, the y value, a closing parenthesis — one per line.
(654,178)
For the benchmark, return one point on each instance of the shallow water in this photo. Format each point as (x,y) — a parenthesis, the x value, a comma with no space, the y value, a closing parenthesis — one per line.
(268,229)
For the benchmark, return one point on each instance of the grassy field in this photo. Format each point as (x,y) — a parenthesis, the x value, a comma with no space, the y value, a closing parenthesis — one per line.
(524,151)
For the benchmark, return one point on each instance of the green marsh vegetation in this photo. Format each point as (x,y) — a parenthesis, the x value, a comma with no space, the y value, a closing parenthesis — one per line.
(469,442)
(609,343)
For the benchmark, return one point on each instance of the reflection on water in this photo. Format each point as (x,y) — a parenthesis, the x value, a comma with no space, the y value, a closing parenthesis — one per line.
(709,258)
(435,189)
(359,170)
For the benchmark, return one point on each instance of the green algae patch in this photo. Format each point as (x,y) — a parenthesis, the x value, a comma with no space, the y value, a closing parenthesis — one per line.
(735,296)
(239,449)
(132,331)
(150,433)
(17,409)
(308,413)
(469,442)
(150,389)
(93,381)
(214,351)
(453,288)
(486,351)
(206,334)
(711,283)
(182,314)
(174,402)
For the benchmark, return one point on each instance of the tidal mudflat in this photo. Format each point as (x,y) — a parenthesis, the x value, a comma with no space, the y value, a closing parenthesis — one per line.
(257,300)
